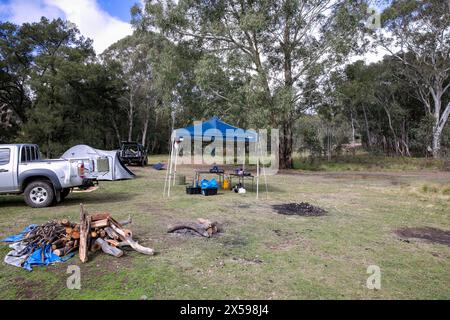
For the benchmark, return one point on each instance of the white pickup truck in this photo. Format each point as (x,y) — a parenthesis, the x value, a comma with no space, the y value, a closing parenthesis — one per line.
(44,182)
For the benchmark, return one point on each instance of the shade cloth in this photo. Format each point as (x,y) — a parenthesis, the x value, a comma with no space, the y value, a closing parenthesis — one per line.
(216,128)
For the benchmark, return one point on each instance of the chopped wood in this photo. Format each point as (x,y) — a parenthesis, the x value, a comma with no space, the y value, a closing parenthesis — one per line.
(100,216)
(136,246)
(109,249)
(100,223)
(75,235)
(111,233)
(85,225)
(92,233)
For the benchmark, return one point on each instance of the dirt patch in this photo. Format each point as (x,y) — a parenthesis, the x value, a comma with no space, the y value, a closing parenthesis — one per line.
(27,289)
(426,233)
(299,209)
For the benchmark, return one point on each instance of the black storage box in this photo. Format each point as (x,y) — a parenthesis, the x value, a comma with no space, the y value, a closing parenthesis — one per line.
(209,192)
(193,190)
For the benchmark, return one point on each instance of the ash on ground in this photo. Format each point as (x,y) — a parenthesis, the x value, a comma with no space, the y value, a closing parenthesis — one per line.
(300,209)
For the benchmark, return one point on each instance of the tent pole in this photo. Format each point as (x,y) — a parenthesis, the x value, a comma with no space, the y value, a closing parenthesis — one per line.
(167,170)
(170,172)
(257,172)
(175,165)
(264,173)
(265,182)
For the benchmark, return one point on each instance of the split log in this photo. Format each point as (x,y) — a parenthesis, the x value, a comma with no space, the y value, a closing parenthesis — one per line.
(100,216)
(109,249)
(111,233)
(61,252)
(99,223)
(85,227)
(65,223)
(128,239)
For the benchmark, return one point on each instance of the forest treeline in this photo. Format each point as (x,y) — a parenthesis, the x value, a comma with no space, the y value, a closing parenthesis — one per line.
(256,64)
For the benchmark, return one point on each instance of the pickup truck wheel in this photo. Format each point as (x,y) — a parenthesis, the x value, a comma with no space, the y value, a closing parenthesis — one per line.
(39,194)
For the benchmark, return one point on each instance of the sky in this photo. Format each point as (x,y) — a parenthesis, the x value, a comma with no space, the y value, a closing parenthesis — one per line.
(104,21)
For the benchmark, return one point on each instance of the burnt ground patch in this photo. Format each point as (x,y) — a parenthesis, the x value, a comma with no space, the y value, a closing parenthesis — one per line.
(300,209)
(426,233)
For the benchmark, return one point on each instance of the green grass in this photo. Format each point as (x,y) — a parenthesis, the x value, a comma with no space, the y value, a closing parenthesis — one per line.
(261,254)
(366,162)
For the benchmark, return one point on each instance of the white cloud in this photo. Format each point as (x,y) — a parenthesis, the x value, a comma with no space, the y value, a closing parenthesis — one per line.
(92,21)
(21,11)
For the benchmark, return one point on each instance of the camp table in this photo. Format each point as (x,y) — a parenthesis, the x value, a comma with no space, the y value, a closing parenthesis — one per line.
(241,178)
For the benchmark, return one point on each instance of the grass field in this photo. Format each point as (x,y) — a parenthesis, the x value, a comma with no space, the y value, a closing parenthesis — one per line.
(261,254)
(368,162)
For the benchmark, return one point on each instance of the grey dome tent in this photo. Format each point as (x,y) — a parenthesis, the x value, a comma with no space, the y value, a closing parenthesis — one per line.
(117,170)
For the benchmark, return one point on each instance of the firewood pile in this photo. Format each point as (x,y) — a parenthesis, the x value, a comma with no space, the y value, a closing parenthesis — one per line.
(94,232)
(101,231)
(201,227)
(61,235)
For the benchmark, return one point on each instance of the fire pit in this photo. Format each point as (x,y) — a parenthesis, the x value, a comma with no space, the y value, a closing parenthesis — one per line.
(299,209)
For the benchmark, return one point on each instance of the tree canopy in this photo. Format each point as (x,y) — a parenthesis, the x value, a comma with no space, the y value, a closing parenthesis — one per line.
(261,64)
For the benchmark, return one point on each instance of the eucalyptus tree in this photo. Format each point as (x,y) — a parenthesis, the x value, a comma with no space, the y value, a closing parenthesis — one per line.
(52,87)
(132,54)
(417,33)
(278,45)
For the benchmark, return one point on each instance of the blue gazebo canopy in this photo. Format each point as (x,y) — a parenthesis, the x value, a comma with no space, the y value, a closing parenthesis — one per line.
(217,129)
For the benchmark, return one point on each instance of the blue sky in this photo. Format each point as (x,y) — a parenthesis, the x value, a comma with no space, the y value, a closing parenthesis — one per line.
(104,21)
(117,8)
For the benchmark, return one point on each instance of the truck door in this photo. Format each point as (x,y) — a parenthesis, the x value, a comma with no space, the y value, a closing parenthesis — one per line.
(7,171)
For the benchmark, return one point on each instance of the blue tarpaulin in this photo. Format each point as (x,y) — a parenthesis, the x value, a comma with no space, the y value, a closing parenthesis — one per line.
(158,166)
(19,236)
(216,128)
(209,184)
(27,256)
(43,257)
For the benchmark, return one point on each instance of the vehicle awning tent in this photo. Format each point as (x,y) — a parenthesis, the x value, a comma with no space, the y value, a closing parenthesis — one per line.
(117,170)
(209,130)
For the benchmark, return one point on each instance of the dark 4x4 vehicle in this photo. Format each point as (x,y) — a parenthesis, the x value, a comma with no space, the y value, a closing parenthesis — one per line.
(133,153)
